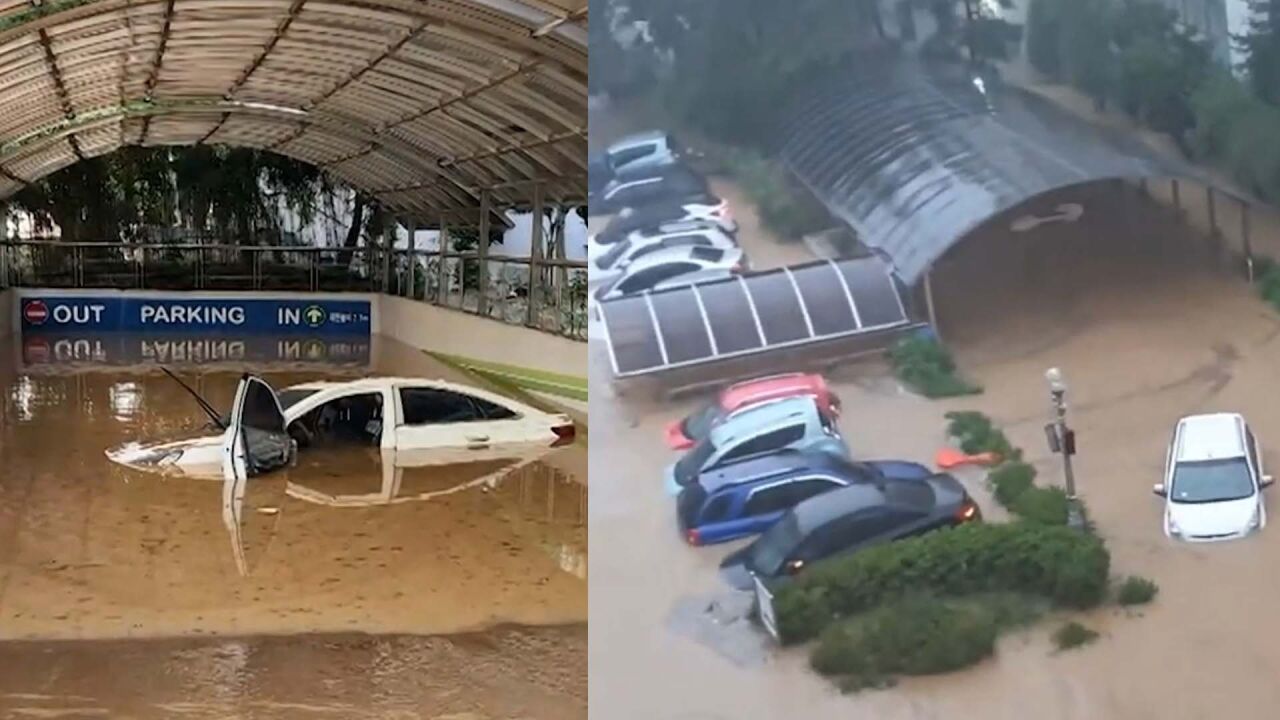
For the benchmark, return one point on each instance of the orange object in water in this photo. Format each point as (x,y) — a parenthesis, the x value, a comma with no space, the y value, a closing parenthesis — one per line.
(950,457)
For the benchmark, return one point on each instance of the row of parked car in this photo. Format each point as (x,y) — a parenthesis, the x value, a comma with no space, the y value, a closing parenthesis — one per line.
(767,457)
(668,229)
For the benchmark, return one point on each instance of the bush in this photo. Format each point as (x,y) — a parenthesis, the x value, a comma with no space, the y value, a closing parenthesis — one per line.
(1010,481)
(1065,567)
(1135,590)
(918,636)
(977,434)
(1044,505)
(787,209)
(925,365)
(1073,635)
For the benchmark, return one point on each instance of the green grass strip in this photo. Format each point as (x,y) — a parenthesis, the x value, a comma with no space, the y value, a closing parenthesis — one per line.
(566,386)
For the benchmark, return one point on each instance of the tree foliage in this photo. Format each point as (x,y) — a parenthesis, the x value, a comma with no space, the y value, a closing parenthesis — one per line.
(1261,46)
(233,193)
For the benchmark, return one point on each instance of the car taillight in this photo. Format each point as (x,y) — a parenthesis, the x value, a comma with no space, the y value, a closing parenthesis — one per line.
(564,434)
(967,512)
(693,537)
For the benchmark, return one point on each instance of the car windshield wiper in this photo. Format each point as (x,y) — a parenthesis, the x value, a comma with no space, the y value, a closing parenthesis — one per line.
(204,404)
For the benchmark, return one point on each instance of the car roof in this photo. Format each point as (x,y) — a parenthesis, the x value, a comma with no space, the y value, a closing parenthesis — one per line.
(751,391)
(639,138)
(755,416)
(1210,437)
(680,227)
(778,464)
(821,509)
(382,383)
(683,253)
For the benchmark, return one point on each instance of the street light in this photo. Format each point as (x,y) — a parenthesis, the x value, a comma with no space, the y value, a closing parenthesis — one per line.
(1062,440)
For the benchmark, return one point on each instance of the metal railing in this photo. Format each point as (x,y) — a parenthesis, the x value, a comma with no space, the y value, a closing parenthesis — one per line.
(545,294)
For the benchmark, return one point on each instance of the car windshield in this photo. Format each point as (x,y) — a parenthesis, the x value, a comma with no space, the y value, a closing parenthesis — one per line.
(688,466)
(698,424)
(289,398)
(1211,481)
(769,552)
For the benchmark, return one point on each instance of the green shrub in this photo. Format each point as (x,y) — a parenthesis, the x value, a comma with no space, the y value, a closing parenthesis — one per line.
(1044,505)
(1010,480)
(925,365)
(977,434)
(1136,590)
(1073,635)
(1065,567)
(918,636)
(787,209)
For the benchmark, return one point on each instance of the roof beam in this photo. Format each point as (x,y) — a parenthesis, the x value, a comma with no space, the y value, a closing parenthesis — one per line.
(281,29)
(510,185)
(558,137)
(373,147)
(390,50)
(523,68)
(12,178)
(572,18)
(59,88)
(153,75)
(216,127)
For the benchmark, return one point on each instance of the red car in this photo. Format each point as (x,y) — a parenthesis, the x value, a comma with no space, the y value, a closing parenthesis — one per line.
(682,434)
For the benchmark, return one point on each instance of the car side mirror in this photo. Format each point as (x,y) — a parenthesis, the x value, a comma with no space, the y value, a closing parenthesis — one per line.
(1160,490)
(1267,481)
(794,566)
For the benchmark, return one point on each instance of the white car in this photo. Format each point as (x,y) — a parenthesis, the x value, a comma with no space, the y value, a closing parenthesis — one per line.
(674,267)
(1213,480)
(615,262)
(657,215)
(426,422)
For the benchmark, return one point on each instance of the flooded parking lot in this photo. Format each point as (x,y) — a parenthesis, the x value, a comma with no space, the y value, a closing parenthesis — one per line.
(92,550)
(1147,328)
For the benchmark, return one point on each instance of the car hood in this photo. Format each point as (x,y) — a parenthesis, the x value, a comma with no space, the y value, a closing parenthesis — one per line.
(1219,518)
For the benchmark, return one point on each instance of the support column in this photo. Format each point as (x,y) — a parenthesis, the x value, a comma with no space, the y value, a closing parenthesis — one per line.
(1248,244)
(928,303)
(442,270)
(482,249)
(532,316)
(1177,193)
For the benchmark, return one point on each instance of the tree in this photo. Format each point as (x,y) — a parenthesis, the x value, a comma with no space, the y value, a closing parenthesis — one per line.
(1261,46)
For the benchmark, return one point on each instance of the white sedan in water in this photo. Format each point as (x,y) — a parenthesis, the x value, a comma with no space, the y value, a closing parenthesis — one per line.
(1213,480)
(430,421)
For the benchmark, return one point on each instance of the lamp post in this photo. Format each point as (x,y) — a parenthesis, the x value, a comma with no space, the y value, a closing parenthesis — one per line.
(1065,442)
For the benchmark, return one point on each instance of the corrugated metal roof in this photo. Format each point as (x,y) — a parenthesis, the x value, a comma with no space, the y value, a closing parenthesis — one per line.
(914,157)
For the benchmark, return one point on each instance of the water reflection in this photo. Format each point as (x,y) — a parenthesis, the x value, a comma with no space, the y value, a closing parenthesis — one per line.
(348,540)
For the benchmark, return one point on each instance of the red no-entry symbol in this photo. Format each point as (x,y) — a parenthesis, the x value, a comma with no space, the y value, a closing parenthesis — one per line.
(35,312)
(37,350)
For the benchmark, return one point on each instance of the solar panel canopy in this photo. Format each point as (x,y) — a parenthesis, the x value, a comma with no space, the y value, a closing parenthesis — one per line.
(750,314)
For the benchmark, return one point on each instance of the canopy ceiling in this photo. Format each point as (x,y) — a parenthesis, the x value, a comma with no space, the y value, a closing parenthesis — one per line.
(421,103)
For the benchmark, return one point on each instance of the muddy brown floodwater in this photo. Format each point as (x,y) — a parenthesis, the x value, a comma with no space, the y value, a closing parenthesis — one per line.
(1147,327)
(125,593)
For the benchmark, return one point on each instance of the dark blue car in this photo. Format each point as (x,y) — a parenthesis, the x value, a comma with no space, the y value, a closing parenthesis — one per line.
(745,498)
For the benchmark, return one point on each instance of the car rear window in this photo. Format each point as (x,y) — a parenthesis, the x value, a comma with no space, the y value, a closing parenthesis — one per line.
(687,467)
(917,496)
(708,254)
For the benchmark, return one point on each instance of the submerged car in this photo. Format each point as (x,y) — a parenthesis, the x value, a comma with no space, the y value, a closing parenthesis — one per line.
(1213,480)
(792,423)
(747,497)
(848,520)
(682,434)
(706,209)
(410,415)
(621,256)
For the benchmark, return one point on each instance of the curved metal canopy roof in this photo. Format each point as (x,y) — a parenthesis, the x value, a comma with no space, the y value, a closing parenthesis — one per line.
(422,103)
(913,158)
(751,314)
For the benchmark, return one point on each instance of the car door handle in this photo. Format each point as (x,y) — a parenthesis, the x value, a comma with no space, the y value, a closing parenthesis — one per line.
(477,442)
(478,438)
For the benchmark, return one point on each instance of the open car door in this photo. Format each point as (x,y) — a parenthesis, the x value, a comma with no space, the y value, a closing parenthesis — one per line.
(255,441)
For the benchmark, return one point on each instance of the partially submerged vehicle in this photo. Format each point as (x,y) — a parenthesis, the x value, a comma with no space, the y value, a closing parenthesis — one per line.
(424,421)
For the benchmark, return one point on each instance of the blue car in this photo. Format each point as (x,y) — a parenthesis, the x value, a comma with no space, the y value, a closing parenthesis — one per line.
(741,499)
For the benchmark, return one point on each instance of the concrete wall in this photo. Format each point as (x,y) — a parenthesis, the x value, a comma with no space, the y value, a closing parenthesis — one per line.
(450,332)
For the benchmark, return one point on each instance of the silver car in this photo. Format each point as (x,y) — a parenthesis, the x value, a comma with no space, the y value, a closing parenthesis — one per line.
(639,245)
(674,267)
(642,150)
(790,424)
